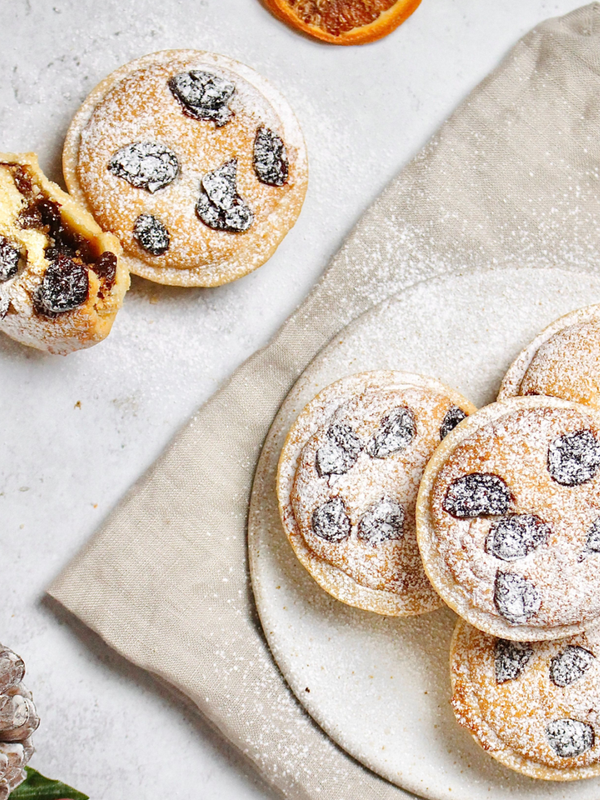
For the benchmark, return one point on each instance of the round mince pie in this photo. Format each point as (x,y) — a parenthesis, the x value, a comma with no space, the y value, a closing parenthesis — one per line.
(508,518)
(563,361)
(533,706)
(61,278)
(347,484)
(194,161)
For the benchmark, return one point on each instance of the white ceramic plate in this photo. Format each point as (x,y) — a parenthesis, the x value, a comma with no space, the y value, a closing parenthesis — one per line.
(380,686)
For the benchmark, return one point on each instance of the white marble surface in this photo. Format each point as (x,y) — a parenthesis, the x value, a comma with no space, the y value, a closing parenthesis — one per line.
(76,432)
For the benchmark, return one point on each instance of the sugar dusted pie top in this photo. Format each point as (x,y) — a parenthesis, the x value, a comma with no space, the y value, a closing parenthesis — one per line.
(563,361)
(535,706)
(509,518)
(348,483)
(193,161)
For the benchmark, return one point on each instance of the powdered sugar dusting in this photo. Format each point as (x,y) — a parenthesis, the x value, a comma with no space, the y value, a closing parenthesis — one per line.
(387,578)
(137,105)
(536,706)
(563,361)
(359,666)
(551,582)
(393,565)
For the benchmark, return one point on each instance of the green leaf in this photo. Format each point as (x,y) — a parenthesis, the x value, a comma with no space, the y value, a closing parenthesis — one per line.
(36,787)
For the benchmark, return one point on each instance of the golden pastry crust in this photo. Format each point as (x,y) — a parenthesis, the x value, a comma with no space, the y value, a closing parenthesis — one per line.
(41,223)
(135,105)
(535,707)
(563,361)
(506,518)
(369,485)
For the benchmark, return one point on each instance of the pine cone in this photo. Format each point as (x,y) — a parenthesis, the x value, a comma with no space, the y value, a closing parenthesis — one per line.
(18,720)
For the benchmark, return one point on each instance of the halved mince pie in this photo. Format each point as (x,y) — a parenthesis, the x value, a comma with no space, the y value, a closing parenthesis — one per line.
(61,278)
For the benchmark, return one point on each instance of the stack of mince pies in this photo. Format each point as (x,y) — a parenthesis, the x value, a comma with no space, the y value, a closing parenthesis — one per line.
(398,496)
(183,167)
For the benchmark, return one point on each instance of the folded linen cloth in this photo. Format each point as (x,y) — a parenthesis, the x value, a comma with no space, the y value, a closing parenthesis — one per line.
(511,179)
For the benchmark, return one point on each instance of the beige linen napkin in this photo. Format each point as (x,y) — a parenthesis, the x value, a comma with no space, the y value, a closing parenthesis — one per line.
(513,178)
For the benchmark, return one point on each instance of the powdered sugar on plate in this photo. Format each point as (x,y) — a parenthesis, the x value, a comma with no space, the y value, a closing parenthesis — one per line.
(379,686)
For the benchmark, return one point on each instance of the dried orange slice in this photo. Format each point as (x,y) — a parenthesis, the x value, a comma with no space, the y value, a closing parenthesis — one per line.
(343,21)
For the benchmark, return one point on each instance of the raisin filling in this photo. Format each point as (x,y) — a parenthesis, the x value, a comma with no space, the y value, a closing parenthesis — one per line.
(510,660)
(271,163)
(145,165)
(65,285)
(454,416)
(331,522)
(397,430)
(151,235)
(570,665)
(9,259)
(516,598)
(570,737)
(219,206)
(203,95)
(574,458)
(383,522)
(477,494)
(514,537)
(339,452)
